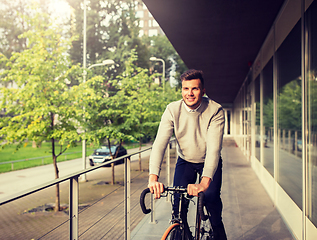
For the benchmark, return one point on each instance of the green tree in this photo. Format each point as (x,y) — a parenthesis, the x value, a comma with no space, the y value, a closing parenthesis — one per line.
(139,98)
(42,107)
(13,23)
(111,116)
(290,106)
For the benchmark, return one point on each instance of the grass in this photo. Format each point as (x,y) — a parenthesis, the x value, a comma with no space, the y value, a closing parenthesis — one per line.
(43,155)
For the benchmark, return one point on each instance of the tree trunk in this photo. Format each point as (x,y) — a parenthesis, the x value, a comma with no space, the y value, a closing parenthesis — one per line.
(57,198)
(112,170)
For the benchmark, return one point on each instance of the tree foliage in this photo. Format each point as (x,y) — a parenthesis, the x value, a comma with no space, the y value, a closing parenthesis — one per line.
(112,32)
(290,106)
(42,107)
(43,94)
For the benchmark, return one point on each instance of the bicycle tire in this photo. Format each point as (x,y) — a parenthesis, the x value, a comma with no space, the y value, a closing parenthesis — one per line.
(173,232)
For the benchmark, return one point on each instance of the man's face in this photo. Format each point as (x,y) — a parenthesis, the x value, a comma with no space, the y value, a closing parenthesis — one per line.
(192,92)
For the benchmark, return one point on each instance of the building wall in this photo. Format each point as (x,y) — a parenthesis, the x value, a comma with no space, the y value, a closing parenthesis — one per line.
(275,116)
(148,24)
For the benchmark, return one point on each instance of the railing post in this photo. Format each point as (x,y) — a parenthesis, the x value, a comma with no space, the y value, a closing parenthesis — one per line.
(152,220)
(127,193)
(73,208)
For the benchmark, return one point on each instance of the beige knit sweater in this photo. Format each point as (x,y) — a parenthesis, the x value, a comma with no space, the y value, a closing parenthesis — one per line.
(198,134)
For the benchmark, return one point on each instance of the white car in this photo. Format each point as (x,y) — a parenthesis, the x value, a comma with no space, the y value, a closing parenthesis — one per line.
(102,155)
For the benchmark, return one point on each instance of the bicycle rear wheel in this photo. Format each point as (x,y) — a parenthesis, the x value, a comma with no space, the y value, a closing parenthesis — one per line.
(173,232)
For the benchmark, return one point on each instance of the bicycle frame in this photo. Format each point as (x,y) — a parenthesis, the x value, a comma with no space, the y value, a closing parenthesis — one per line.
(178,220)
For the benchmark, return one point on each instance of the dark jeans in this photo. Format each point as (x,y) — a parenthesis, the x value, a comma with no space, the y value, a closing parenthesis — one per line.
(186,173)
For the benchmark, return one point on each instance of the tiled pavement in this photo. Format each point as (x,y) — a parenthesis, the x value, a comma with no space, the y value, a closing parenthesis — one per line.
(248,211)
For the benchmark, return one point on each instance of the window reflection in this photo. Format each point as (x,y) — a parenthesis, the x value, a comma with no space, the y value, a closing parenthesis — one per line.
(258,137)
(289,108)
(268,106)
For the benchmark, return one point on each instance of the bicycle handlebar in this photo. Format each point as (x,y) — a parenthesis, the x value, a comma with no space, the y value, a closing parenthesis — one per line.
(201,196)
(144,209)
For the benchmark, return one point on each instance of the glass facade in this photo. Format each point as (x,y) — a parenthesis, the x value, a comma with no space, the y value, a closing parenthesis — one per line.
(289,115)
(258,141)
(268,120)
(311,76)
(284,113)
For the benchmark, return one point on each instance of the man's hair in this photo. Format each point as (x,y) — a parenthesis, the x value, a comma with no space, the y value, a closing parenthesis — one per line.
(193,74)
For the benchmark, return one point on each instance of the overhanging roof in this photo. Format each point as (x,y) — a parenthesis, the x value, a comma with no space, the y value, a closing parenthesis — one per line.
(220,37)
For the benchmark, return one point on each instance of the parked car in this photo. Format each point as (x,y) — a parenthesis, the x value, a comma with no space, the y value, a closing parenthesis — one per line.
(102,155)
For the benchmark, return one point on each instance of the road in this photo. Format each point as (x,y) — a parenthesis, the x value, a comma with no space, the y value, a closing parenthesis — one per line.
(12,183)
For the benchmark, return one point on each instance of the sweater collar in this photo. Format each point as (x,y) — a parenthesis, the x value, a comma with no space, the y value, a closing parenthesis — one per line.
(191,110)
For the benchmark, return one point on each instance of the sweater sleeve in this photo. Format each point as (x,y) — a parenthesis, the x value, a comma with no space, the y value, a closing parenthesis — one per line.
(163,136)
(214,143)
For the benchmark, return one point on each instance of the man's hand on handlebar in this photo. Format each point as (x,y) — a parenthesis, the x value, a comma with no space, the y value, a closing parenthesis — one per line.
(194,189)
(155,187)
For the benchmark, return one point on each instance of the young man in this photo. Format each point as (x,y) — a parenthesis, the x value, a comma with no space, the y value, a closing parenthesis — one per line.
(198,124)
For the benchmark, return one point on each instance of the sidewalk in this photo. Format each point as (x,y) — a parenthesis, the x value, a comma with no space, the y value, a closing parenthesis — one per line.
(248,212)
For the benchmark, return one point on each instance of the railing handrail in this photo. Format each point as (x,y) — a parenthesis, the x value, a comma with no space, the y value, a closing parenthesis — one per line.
(65,178)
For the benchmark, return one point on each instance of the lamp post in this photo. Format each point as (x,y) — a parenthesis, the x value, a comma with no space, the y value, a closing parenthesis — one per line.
(163,62)
(105,62)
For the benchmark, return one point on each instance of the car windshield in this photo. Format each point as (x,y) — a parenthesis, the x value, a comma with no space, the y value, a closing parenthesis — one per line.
(105,150)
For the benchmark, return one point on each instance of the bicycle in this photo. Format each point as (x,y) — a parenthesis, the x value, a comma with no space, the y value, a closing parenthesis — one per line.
(177,230)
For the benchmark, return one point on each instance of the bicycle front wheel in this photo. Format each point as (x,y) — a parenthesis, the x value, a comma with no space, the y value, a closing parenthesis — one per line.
(206,230)
(173,232)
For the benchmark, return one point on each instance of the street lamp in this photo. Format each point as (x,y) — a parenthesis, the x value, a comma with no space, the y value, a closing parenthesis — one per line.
(163,77)
(105,62)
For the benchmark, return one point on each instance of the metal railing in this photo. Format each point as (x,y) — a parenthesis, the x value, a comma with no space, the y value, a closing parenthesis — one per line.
(74,192)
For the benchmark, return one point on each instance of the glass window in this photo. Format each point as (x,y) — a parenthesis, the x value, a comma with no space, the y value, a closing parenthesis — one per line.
(257,118)
(268,117)
(289,115)
(155,24)
(153,32)
(311,19)
(140,14)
